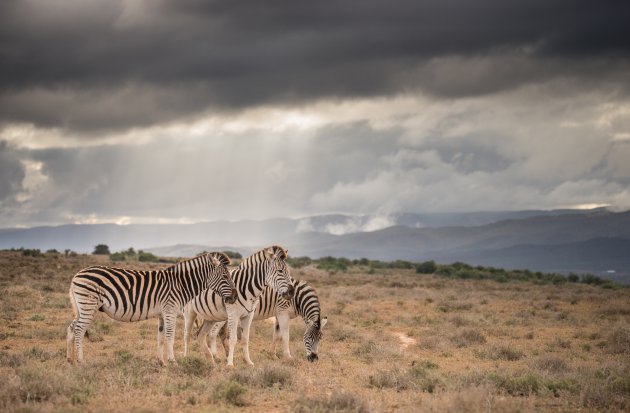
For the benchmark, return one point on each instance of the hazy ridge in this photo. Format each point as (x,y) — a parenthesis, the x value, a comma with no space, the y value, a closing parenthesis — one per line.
(595,240)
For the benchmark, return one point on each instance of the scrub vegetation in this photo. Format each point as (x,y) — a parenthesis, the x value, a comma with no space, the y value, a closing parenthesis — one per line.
(466,339)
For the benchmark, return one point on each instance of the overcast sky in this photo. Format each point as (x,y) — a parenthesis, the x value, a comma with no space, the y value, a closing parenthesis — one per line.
(185,111)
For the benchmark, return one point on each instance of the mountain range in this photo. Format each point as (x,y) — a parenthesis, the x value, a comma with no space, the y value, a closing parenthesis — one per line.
(558,240)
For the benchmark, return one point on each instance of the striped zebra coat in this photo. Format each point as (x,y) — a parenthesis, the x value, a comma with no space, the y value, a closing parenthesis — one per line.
(305,304)
(265,267)
(131,295)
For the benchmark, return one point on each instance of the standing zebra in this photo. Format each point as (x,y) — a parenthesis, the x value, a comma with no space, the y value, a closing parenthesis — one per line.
(130,295)
(304,303)
(265,267)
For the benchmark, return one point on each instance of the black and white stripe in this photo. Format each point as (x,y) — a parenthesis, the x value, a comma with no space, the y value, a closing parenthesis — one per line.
(265,267)
(305,304)
(131,295)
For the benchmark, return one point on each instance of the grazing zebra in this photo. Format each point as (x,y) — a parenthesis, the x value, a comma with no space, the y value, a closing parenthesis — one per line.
(265,267)
(131,295)
(304,303)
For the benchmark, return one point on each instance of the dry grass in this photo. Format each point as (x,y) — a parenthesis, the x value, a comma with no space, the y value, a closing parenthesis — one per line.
(395,341)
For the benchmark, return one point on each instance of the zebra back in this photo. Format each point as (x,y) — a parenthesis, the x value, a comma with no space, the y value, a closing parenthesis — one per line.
(131,295)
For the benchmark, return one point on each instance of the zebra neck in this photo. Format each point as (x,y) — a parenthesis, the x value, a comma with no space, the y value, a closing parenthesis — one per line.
(249,279)
(191,276)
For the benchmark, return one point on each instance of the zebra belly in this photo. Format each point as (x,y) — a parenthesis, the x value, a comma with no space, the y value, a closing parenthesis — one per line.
(131,313)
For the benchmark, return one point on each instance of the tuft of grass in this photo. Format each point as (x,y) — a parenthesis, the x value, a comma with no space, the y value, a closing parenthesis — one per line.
(552,364)
(231,392)
(390,379)
(10,360)
(500,353)
(367,351)
(339,402)
(37,353)
(468,337)
(194,366)
(619,340)
(269,376)
(517,385)
(275,376)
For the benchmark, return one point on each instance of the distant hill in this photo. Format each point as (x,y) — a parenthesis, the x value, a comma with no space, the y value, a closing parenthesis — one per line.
(549,240)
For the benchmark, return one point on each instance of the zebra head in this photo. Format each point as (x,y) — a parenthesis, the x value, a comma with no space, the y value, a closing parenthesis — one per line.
(312,336)
(219,278)
(277,271)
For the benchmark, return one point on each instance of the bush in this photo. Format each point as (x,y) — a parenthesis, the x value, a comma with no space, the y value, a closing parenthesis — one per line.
(299,262)
(279,376)
(194,366)
(117,257)
(336,402)
(390,379)
(147,257)
(501,353)
(31,252)
(230,392)
(101,249)
(427,267)
(468,337)
(233,254)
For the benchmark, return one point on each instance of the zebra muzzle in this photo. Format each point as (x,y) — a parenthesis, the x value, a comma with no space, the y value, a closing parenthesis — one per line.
(289,293)
(232,298)
(312,357)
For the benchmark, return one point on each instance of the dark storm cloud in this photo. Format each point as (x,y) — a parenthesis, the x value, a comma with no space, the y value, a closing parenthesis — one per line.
(94,65)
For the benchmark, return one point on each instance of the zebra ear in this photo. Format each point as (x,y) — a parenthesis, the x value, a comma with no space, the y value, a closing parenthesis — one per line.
(220,258)
(323,322)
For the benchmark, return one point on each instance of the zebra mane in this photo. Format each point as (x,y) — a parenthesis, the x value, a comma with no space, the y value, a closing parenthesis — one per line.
(182,262)
(222,257)
(279,252)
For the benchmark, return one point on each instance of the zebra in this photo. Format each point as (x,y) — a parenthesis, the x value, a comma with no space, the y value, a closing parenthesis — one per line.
(131,295)
(265,267)
(305,303)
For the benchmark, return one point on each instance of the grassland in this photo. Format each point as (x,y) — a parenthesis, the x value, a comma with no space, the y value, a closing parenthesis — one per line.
(395,341)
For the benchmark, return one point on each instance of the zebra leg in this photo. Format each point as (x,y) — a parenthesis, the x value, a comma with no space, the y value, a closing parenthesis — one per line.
(223,335)
(282,321)
(275,337)
(212,334)
(189,318)
(70,341)
(246,323)
(160,340)
(85,309)
(201,338)
(232,337)
(170,319)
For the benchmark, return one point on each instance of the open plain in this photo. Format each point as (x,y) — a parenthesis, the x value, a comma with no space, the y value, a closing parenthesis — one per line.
(395,341)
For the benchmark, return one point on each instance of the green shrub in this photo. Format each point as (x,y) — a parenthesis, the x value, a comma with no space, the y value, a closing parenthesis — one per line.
(101,249)
(147,257)
(230,392)
(31,252)
(427,267)
(194,366)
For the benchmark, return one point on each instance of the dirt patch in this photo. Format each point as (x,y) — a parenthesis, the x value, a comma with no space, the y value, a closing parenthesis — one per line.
(405,340)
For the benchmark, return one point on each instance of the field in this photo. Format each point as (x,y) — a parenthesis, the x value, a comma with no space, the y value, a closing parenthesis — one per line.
(395,341)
